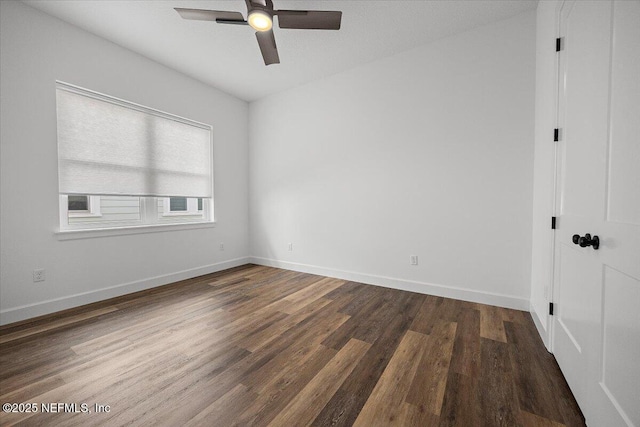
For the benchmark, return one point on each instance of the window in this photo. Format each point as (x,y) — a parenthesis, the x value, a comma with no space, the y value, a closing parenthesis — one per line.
(83,206)
(177,204)
(121,164)
(78,203)
(174,206)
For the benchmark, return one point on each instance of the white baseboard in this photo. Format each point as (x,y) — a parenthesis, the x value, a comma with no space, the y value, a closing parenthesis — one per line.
(544,333)
(29,311)
(500,300)
(24,312)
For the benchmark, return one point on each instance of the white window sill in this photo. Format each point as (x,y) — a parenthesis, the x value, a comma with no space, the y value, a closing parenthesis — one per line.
(122,231)
(84,215)
(183,213)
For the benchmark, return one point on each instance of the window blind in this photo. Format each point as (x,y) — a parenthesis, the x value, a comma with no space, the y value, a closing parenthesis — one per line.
(107,146)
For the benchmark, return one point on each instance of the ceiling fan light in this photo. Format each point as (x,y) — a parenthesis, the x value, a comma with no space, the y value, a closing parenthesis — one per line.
(260,20)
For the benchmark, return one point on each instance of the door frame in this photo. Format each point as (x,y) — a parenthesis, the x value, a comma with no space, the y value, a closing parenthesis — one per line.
(557,164)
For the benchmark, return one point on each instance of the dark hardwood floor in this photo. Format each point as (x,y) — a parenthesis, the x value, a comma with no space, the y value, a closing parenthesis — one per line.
(256,346)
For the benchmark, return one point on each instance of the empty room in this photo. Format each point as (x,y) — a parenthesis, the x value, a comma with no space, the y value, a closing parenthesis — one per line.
(320,213)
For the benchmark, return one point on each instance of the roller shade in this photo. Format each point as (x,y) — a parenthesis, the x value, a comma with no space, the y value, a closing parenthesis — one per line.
(107,146)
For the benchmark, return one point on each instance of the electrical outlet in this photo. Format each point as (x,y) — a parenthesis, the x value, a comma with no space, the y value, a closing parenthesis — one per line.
(222,246)
(290,247)
(413,259)
(38,275)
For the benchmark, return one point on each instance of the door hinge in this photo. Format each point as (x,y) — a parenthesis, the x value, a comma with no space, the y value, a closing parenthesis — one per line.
(558,44)
(553,222)
(556,135)
(551,308)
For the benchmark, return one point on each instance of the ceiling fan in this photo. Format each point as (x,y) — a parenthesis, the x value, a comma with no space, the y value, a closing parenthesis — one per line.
(260,15)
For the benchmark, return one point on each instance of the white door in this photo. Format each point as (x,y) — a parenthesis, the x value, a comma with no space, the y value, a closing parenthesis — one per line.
(596,327)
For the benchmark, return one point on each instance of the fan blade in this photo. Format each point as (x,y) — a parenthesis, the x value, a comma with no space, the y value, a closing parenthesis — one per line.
(309,19)
(264,3)
(209,15)
(267,43)
(231,21)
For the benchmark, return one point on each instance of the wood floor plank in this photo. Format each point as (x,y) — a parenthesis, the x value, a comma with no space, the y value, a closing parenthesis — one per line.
(224,410)
(497,397)
(283,386)
(365,295)
(304,408)
(532,420)
(195,403)
(149,342)
(31,389)
(91,387)
(515,316)
(532,376)
(385,403)
(346,404)
(56,324)
(341,336)
(459,406)
(309,294)
(247,370)
(293,358)
(155,323)
(370,319)
(370,327)
(254,346)
(176,390)
(466,348)
(350,288)
(411,415)
(491,323)
(254,341)
(427,315)
(558,386)
(340,301)
(428,385)
(571,412)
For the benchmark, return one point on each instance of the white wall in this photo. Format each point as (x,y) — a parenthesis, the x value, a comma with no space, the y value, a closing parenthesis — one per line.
(428,152)
(37,49)
(544,165)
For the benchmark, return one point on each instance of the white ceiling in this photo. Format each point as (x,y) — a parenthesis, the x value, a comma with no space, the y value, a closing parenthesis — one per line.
(228,57)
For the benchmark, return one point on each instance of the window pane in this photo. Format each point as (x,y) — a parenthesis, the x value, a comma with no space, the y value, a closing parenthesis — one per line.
(199,204)
(78,203)
(178,204)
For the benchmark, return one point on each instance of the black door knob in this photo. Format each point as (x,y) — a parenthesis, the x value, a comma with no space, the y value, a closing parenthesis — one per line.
(587,240)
